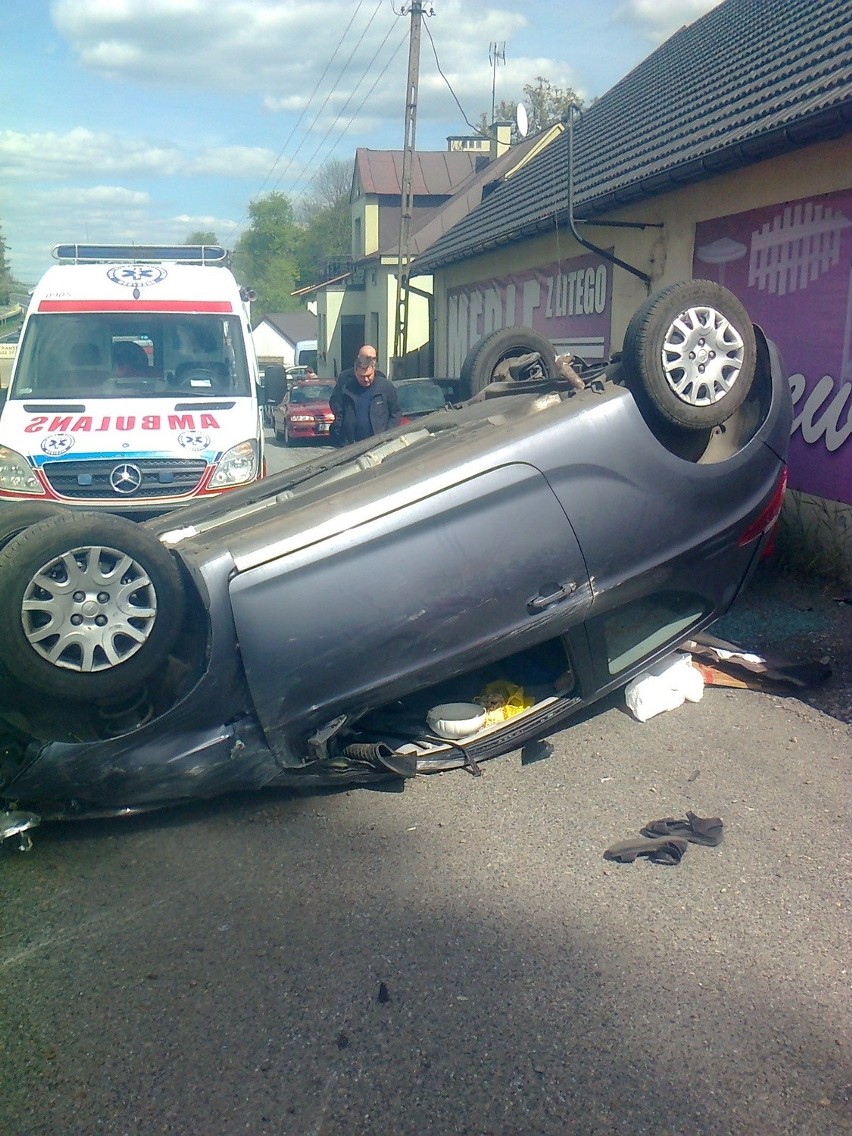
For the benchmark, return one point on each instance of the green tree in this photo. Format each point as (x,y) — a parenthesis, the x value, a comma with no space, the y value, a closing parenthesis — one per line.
(281,251)
(266,255)
(201,237)
(544,103)
(326,219)
(6,281)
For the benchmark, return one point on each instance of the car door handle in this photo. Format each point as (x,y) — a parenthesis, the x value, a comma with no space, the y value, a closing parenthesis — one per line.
(561,592)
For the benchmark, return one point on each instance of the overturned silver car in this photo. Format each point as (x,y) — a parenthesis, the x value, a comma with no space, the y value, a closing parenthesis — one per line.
(522,553)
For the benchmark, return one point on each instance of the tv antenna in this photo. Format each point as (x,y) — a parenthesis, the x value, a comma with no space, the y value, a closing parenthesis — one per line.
(496,55)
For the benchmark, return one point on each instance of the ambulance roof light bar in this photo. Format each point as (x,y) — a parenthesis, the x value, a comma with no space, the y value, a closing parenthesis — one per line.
(145,254)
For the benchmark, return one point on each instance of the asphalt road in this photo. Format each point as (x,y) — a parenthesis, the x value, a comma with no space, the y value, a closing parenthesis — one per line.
(279,456)
(454,958)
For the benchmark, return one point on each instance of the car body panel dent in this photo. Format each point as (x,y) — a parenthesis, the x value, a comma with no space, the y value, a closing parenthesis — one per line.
(503,540)
(194,763)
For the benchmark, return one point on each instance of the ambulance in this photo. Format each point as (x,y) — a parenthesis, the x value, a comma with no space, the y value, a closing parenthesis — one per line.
(135,386)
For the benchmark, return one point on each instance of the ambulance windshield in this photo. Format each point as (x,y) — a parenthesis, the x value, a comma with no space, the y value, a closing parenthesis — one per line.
(100,355)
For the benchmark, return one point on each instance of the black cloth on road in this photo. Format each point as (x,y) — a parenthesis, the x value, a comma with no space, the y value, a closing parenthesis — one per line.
(662,851)
(695,829)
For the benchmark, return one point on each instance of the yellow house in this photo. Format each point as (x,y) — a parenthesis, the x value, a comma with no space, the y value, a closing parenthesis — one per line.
(360,305)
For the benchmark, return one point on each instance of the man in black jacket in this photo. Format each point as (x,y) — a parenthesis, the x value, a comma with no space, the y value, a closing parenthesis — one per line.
(364,401)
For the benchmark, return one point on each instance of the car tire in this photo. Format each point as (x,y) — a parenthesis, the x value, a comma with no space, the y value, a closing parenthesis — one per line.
(477,370)
(17,516)
(690,355)
(92,605)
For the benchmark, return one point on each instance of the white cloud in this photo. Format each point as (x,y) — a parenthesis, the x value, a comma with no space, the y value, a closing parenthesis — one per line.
(98,186)
(99,214)
(103,197)
(222,226)
(658,19)
(79,151)
(330,60)
(48,196)
(231,161)
(86,153)
(239,45)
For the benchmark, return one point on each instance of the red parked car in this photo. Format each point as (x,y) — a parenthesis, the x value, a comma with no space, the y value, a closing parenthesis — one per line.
(304,412)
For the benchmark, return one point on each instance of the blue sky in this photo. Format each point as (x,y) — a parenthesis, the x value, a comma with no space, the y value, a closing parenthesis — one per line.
(141,120)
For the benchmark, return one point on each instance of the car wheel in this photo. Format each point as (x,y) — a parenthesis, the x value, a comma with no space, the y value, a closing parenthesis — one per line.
(92,605)
(690,354)
(504,345)
(17,516)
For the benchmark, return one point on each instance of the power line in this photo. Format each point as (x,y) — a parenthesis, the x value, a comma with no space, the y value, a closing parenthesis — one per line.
(310,99)
(358,109)
(299,194)
(367,70)
(332,90)
(475,129)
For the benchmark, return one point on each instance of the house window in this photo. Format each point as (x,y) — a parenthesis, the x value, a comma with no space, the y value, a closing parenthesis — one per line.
(358,250)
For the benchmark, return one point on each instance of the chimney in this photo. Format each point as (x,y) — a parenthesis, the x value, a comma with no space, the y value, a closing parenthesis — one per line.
(501,137)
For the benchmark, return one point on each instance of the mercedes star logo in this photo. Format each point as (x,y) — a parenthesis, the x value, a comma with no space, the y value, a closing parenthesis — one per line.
(126,478)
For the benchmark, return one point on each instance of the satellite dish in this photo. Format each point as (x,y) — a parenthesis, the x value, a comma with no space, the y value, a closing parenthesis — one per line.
(522,120)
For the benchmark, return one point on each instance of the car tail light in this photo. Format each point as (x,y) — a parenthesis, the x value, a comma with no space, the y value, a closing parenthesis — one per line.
(767,517)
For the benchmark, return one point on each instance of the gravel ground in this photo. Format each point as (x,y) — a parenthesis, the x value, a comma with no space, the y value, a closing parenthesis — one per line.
(458,959)
(801,620)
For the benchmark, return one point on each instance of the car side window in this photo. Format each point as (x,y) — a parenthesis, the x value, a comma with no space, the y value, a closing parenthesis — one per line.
(636,629)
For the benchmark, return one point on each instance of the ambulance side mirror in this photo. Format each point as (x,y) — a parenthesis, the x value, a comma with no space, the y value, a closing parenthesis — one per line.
(274,383)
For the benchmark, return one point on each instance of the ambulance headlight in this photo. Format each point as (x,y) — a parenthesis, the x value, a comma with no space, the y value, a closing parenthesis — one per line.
(237,467)
(16,475)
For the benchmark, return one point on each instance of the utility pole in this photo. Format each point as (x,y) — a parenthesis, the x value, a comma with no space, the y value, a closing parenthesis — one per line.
(416,8)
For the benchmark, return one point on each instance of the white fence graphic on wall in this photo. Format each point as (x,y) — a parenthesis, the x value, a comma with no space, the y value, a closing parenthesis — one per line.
(795,247)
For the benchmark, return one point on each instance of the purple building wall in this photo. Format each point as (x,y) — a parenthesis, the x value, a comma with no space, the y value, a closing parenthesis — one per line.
(791,265)
(569,302)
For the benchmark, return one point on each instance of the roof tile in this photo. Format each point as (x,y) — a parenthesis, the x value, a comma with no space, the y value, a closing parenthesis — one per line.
(433,172)
(750,79)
